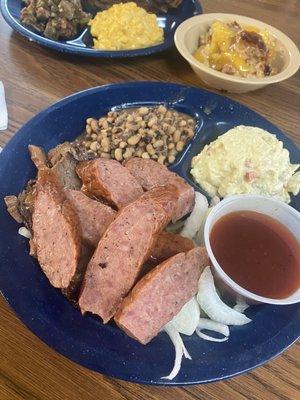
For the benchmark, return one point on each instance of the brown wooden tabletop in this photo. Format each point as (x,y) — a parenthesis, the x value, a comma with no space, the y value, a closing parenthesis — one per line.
(35,77)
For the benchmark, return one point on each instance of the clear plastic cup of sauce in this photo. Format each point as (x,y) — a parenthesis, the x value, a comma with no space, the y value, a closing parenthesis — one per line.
(283,217)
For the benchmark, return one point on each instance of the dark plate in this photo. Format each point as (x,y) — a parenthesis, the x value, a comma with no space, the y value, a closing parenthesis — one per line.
(85,340)
(81,44)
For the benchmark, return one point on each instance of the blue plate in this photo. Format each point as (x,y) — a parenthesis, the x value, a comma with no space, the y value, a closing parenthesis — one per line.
(82,44)
(85,340)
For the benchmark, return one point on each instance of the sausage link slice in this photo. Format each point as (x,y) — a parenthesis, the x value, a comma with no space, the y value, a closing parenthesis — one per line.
(108,179)
(168,245)
(123,249)
(161,294)
(56,234)
(151,174)
(94,217)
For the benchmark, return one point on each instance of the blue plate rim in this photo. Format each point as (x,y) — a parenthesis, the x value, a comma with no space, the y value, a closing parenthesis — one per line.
(289,334)
(85,51)
(148,382)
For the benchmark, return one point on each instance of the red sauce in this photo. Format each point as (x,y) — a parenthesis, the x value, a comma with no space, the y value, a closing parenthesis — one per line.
(258,253)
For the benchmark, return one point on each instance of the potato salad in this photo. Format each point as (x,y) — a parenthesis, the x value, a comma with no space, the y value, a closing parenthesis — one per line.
(246,160)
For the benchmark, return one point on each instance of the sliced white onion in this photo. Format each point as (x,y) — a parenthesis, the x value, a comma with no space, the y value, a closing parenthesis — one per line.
(199,238)
(210,338)
(213,306)
(241,305)
(214,201)
(187,320)
(210,325)
(180,350)
(24,232)
(194,221)
(185,352)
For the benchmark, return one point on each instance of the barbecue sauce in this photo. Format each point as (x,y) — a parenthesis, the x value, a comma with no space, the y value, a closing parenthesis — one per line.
(258,253)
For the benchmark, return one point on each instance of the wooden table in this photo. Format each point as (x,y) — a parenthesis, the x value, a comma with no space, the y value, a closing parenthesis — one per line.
(34,78)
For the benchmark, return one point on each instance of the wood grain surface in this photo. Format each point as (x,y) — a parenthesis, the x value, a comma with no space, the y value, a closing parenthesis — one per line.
(34,78)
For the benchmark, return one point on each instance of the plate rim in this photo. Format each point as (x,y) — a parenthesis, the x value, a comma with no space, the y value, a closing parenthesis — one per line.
(86,51)
(290,333)
(167,383)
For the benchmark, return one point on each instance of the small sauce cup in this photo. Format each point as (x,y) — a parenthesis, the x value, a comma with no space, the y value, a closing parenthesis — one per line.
(276,209)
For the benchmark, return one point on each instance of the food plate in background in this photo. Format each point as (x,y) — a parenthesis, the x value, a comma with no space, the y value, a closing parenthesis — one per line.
(82,44)
(84,339)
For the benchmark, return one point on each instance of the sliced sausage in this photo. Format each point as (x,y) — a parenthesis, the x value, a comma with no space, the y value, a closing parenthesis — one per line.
(151,174)
(161,294)
(94,217)
(108,179)
(123,249)
(56,234)
(169,244)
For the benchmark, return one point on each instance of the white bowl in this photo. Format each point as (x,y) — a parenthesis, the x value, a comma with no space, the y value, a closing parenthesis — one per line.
(187,38)
(276,209)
